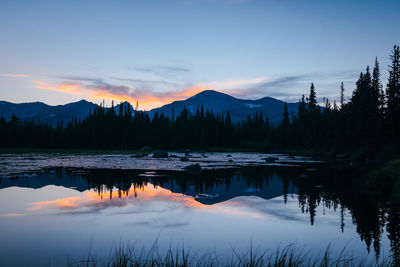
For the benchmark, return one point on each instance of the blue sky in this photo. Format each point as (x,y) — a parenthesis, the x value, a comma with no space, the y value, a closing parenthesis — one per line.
(158,51)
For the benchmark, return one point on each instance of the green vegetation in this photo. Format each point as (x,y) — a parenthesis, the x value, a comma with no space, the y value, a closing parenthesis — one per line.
(387,179)
(125,256)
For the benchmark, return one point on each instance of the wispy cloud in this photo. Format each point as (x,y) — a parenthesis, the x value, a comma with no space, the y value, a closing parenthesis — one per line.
(146,82)
(232,84)
(163,70)
(290,87)
(93,89)
(14,75)
(12,215)
(153,93)
(96,88)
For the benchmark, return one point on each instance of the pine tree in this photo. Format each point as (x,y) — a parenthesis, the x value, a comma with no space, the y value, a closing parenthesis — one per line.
(312,100)
(328,106)
(302,108)
(377,87)
(341,94)
(393,91)
(286,120)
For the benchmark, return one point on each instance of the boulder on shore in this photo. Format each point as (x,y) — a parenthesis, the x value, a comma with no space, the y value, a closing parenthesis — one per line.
(193,168)
(271,159)
(140,155)
(184,159)
(160,154)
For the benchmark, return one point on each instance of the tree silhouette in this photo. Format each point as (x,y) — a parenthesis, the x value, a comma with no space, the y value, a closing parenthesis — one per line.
(341,94)
(393,93)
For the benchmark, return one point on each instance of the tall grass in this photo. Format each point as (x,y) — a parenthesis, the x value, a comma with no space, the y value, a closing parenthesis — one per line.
(291,256)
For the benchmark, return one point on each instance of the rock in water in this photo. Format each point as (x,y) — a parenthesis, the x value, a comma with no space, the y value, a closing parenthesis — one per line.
(160,154)
(271,159)
(184,159)
(141,155)
(193,168)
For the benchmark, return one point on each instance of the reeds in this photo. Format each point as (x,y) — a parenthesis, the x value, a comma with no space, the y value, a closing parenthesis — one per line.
(291,256)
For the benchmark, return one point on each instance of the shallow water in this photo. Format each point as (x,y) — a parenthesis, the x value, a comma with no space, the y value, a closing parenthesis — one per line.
(50,212)
(12,164)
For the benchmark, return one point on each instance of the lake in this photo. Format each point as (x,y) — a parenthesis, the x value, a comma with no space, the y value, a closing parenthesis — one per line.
(54,207)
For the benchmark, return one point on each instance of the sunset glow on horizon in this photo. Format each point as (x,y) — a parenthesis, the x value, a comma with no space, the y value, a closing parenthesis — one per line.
(146,99)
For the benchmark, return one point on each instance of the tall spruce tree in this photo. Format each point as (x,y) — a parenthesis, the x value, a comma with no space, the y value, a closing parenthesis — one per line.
(302,108)
(393,92)
(364,110)
(286,119)
(341,94)
(312,99)
(377,91)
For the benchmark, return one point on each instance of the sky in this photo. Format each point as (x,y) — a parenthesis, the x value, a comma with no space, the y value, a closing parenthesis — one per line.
(155,52)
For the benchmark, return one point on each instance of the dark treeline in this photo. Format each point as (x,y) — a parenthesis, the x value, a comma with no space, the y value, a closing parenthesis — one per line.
(368,122)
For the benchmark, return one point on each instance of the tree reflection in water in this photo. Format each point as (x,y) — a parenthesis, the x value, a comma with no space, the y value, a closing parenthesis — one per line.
(322,186)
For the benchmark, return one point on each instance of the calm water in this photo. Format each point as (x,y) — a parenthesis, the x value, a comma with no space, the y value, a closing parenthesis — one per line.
(59,212)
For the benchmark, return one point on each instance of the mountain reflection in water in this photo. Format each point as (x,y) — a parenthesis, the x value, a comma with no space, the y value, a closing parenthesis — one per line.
(237,192)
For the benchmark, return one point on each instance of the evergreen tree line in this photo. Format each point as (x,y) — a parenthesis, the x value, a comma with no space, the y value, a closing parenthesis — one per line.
(369,121)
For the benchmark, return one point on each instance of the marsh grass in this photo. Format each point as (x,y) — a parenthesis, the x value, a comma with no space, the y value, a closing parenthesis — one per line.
(387,179)
(291,256)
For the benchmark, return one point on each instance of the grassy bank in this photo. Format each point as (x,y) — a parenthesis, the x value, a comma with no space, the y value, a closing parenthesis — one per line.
(387,179)
(126,255)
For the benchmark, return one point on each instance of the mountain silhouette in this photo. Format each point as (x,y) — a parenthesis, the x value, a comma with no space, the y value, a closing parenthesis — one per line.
(217,102)
(221,103)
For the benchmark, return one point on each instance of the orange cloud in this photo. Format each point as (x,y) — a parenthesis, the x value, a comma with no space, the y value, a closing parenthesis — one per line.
(12,215)
(13,75)
(92,92)
(69,88)
(147,100)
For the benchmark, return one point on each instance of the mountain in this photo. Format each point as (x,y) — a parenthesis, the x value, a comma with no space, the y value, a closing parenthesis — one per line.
(218,193)
(221,103)
(210,190)
(38,111)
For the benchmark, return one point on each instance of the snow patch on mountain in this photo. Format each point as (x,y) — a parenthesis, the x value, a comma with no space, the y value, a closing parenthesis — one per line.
(250,105)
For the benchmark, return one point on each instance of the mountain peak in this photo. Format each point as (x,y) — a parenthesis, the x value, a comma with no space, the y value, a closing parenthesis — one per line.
(208,95)
(221,103)
(83,101)
(209,91)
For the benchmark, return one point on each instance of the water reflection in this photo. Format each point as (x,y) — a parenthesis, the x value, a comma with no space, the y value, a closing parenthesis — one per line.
(316,190)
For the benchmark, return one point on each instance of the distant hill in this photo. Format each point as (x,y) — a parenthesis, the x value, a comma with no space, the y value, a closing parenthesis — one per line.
(221,103)
(38,111)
